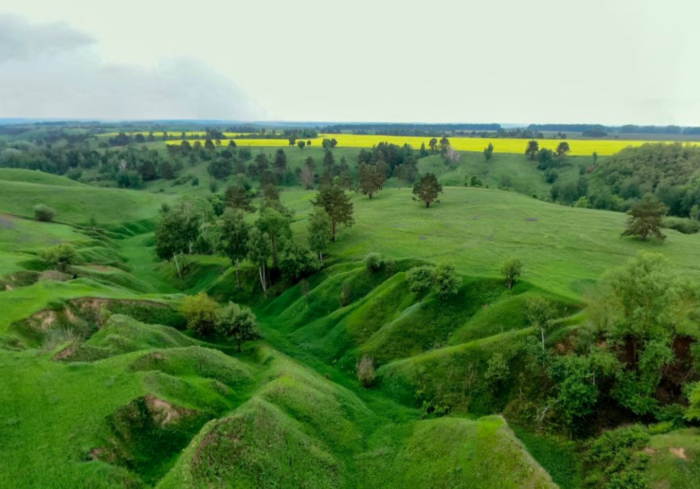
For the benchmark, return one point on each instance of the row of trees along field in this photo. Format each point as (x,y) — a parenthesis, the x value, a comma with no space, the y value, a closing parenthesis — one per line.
(616,183)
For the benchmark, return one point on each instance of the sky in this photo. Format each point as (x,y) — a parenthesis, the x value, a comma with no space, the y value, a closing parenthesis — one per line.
(510,61)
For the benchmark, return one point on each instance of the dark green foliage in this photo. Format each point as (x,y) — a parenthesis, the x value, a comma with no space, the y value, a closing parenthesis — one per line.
(445,281)
(667,170)
(60,257)
(337,205)
(511,269)
(646,218)
(297,261)
(233,239)
(427,189)
(238,197)
(488,152)
(682,225)
(420,280)
(319,231)
(237,323)
(532,149)
(276,226)
(200,312)
(371,178)
(44,213)
(259,253)
(373,261)
(615,460)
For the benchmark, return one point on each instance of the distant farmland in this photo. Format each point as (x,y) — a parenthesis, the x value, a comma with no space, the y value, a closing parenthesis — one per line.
(579,147)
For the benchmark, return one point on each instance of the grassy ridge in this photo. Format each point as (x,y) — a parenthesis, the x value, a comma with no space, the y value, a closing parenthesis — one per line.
(565,250)
(77,205)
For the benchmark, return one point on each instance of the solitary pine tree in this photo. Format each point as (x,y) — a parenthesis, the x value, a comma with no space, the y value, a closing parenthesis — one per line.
(645,218)
(333,200)
(488,152)
(427,189)
(532,148)
(233,241)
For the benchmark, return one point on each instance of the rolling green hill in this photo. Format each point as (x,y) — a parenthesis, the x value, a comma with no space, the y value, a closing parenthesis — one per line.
(105,388)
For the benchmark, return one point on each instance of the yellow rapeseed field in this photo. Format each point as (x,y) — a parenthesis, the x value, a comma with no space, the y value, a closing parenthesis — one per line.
(579,147)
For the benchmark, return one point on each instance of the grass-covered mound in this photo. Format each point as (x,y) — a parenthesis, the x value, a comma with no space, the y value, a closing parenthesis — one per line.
(565,250)
(35,176)
(76,206)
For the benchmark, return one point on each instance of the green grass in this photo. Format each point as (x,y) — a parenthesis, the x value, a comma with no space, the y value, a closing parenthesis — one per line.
(90,402)
(35,176)
(77,206)
(675,459)
(565,250)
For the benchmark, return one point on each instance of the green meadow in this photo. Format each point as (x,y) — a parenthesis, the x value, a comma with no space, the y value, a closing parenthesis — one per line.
(104,386)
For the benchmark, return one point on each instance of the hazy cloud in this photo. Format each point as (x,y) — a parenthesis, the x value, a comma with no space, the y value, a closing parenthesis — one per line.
(52,70)
(20,40)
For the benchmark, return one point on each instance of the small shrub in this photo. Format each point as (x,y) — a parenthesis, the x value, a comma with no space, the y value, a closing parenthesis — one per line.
(195,182)
(389,267)
(420,280)
(200,312)
(366,372)
(345,294)
(44,213)
(213,186)
(373,261)
(445,281)
(682,225)
(497,370)
(305,287)
(60,257)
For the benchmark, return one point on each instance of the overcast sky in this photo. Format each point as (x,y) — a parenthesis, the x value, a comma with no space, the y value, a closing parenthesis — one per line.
(510,61)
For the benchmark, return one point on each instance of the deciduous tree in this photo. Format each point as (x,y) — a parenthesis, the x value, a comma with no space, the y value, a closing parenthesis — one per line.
(237,323)
(427,189)
(233,241)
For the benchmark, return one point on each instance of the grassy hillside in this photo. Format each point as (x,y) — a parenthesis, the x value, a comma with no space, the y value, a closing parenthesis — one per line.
(105,388)
(564,249)
(31,176)
(77,205)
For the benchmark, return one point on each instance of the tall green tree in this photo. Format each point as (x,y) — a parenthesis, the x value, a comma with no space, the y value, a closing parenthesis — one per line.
(532,149)
(200,313)
(562,149)
(511,269)
(646,218)
(280,164)
(297,260)
(433,144)
(370,177)
(488,152)
(445,280)
(259,253)
(233,242)
(337,205)
(540,313)
(427,189)
(238,197)
(237,323)
(319,231)
(276,226)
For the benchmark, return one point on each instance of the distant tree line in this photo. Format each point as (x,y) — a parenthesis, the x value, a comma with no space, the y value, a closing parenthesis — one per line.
(407,129)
